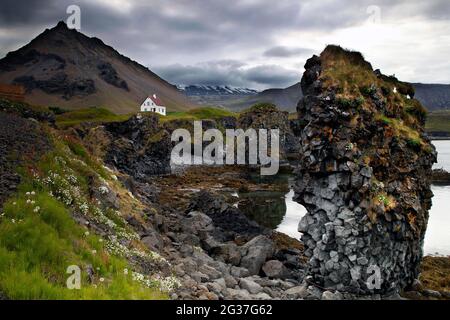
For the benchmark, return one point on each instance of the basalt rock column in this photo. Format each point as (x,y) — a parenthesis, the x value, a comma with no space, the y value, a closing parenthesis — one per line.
(363,175)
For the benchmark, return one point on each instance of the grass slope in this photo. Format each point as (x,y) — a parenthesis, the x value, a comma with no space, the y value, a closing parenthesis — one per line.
(198,114)
(89,115)
(39,239)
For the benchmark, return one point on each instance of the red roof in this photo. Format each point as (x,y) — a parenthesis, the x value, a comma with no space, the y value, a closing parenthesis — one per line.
(157,101)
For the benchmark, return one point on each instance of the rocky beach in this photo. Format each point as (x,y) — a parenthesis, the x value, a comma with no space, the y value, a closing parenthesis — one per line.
(361,166)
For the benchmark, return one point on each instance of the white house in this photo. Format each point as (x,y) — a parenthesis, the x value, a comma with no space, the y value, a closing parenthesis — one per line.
(153,104)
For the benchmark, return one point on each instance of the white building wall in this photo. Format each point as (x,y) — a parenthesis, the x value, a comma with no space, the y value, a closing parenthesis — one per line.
(149,106)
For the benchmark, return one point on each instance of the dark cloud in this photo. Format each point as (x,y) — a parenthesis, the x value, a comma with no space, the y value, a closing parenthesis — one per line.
(13,12)
(233,73)
(161,32)
(272,76)
(285,52)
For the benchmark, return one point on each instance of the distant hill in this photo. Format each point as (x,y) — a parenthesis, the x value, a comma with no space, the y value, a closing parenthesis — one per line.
(64,68)
(433,96)
(285,99)
(237,99)
(211,95)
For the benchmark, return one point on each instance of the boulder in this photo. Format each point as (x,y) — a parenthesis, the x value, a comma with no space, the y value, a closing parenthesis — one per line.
(298,292)
(239,272)
(238,294)
(328,295)
(230,281)
(153,241)
(229,253)
(250,285)
(195,222)
(256,252)
(275,269)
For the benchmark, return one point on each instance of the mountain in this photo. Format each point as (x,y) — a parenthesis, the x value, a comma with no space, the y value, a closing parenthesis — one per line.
(433,96)
(285,99)
(207,90)
(63,67)
(215,95)
(238,99)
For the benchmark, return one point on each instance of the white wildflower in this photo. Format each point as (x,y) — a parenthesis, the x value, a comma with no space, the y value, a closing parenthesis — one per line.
(84,208)
(169,284)
(103,190)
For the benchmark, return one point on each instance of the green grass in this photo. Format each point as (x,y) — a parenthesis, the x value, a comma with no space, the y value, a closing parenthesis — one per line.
(438,121)
(101,115)
(39,239)
(90,115)
(198,114)
(360,89)
(262,107)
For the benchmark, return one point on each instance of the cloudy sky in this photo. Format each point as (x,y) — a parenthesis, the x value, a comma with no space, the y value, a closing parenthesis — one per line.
(250,43)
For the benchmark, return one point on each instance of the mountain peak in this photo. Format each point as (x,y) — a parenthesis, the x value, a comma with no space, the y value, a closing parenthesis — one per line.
(61,25)
(66,68)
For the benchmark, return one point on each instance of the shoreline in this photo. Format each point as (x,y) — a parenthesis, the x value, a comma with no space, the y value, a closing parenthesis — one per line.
(439,138)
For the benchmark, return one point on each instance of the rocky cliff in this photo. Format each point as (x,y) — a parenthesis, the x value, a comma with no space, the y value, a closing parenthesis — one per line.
(267,116)
(139,147)
(363,175)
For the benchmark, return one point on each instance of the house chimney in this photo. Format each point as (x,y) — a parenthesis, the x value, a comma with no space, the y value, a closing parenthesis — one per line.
(154,96)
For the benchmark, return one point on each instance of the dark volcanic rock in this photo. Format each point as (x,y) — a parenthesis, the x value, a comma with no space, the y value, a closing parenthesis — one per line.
(20,139)
(49,61)
(58,84)
(229,221)
(363,177)
(109,74)
(267,116)
(139,147)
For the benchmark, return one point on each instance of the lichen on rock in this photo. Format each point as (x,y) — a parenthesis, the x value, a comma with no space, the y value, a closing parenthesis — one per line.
(363,175)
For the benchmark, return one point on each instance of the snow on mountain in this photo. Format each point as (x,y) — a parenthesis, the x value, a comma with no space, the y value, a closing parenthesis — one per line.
(212,90)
